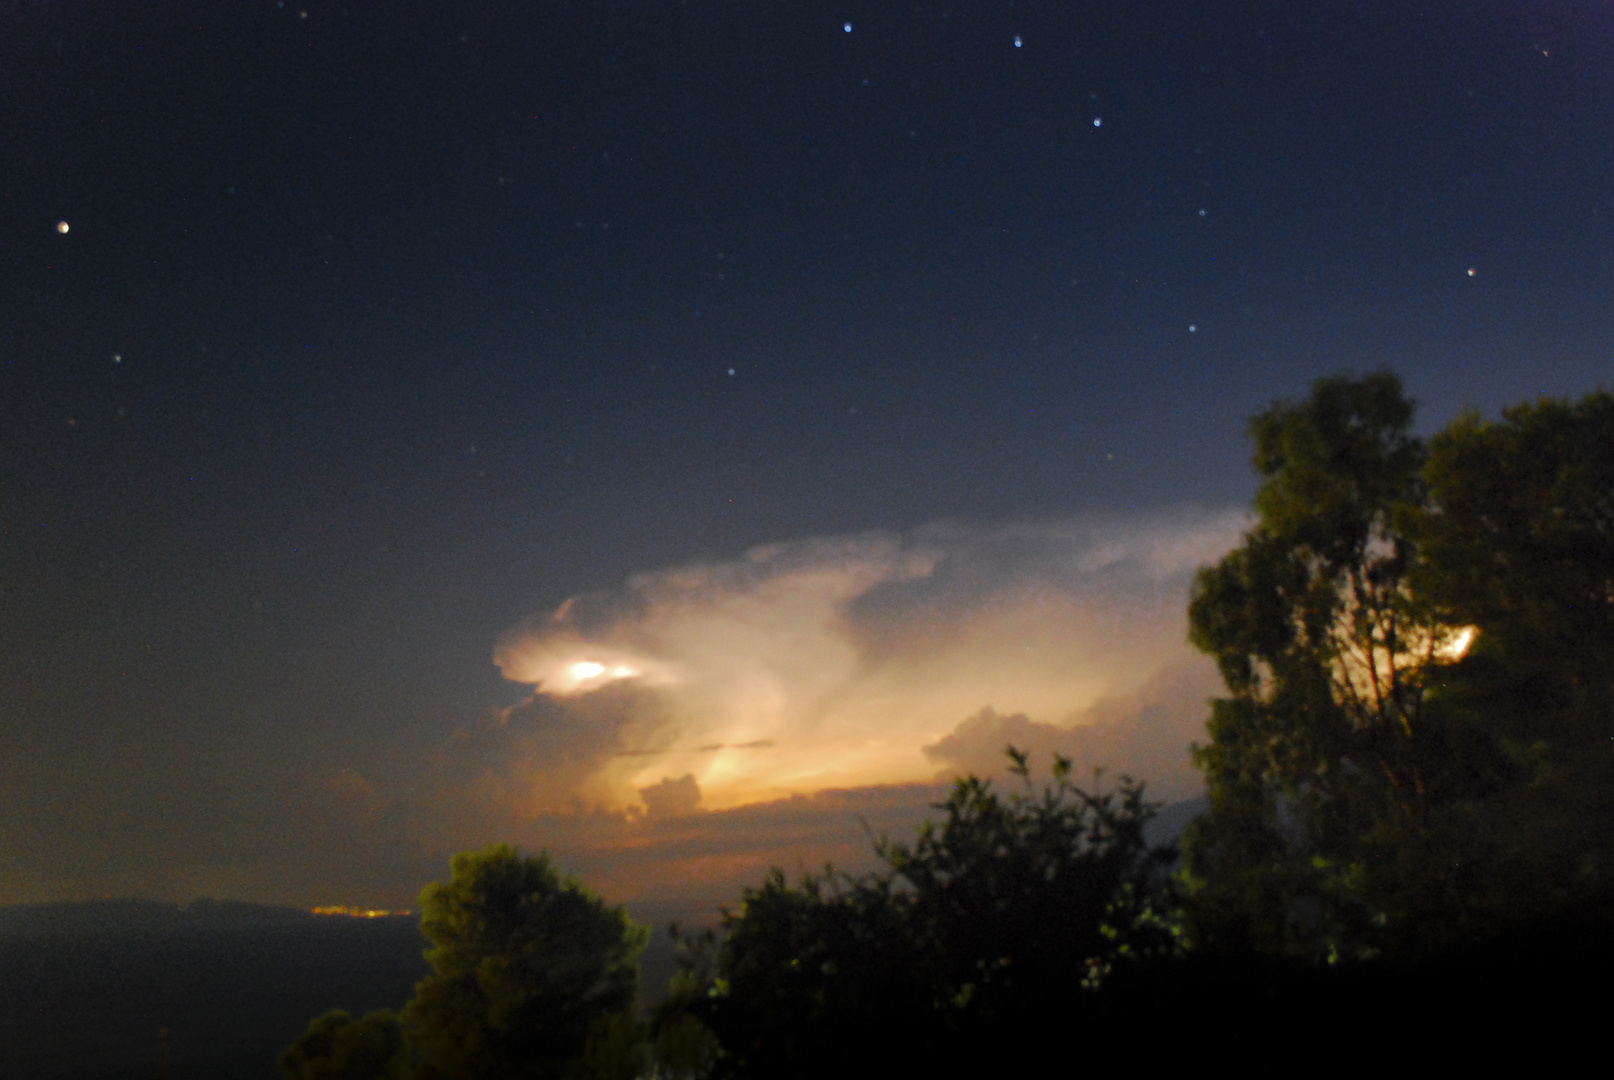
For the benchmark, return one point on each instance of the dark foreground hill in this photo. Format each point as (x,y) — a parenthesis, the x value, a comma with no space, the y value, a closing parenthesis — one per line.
(85,988)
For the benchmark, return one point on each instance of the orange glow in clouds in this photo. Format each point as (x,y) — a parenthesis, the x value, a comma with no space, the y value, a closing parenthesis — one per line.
(833,663)
(566,666)
(357,913)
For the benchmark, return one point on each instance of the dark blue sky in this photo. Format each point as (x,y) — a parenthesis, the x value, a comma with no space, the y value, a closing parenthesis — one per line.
(380,326)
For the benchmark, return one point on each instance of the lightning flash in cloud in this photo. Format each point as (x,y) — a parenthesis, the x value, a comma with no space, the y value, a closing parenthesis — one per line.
(850,661)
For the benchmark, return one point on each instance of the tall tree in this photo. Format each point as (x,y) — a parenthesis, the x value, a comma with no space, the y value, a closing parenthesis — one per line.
(1321,646)
(1517,540)
(532,975)
(1374,787)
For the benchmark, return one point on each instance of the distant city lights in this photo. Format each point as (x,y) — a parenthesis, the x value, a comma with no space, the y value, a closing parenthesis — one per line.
(356,913)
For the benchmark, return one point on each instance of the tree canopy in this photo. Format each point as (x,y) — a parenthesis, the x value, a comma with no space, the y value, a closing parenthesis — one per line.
(1517,540)
(1415,640)
(338,1047)
(525,965)
(973,938)
(532,976)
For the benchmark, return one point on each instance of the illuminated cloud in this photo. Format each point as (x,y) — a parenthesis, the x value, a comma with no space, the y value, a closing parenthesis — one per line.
(844,662)
(672,798)
(1144,734)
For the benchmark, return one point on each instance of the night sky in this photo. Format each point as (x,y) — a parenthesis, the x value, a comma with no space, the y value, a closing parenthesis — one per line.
(378,329)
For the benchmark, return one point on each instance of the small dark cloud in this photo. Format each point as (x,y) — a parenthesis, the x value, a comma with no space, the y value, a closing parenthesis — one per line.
(672,798)
(978,743)
(356,795)
(1145,734)
(704,860)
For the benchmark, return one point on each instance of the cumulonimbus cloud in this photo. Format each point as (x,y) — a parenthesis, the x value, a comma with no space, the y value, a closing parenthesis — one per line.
(843,662)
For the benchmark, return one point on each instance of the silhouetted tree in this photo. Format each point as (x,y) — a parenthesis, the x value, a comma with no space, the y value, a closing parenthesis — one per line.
(1320,645)
(1373,789)
(1011,899)
(974,938)
(338,1047)
(532,975)
(1517,540)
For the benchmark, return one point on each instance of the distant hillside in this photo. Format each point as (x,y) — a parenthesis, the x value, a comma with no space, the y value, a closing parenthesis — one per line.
(86,987)
(144,916)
